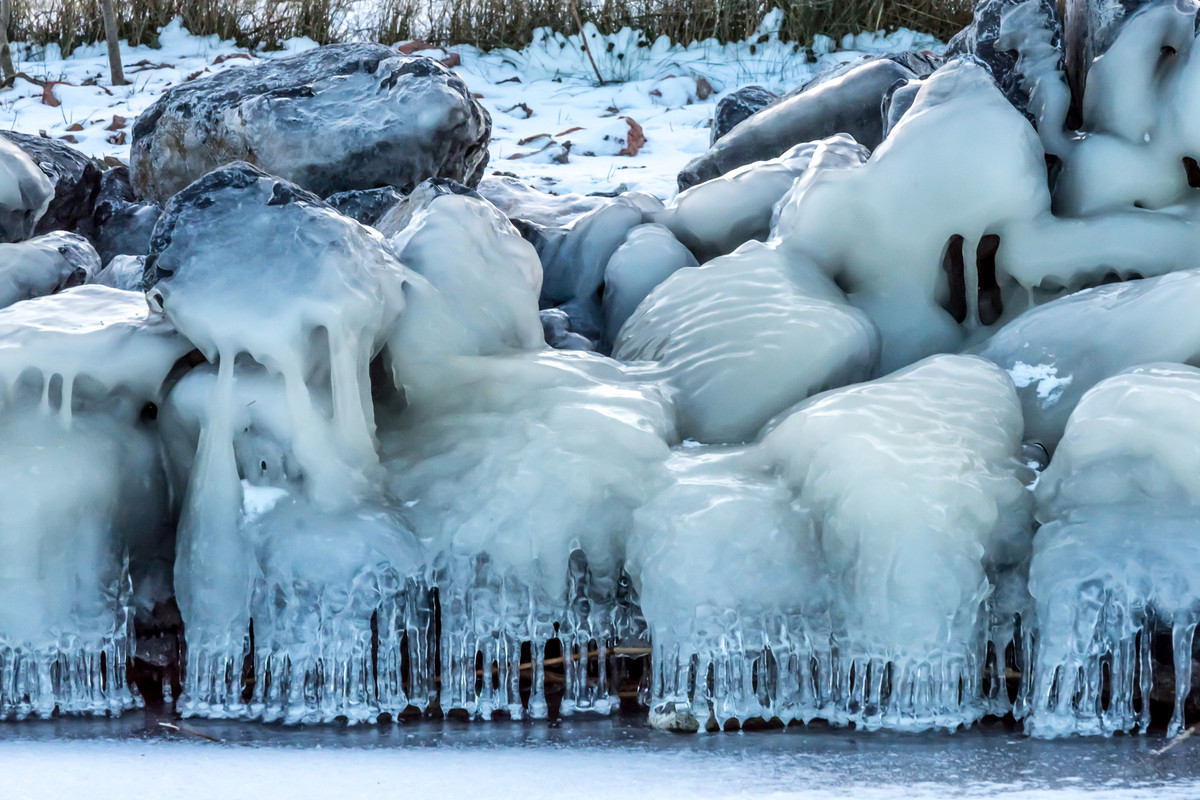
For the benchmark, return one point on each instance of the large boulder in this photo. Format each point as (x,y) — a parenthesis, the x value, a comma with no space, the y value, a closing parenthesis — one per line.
(737,106)
(25,193)
(341,117)
(850,102)
(76,180)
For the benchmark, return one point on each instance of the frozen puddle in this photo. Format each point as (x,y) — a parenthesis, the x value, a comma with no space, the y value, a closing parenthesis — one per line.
(69,758)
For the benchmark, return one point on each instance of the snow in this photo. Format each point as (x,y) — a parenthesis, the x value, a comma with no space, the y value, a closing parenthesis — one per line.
(658,86)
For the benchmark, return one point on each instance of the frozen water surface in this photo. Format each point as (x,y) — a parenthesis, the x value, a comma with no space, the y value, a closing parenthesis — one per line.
(124,758)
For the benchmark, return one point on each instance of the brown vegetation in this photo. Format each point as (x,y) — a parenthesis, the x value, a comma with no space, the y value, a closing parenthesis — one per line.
(485,23)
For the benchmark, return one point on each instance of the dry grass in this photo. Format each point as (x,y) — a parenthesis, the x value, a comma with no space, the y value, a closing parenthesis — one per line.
(484,23)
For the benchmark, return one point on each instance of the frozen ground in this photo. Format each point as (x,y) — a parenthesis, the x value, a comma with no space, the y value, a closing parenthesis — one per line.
(122,759)
(540,98)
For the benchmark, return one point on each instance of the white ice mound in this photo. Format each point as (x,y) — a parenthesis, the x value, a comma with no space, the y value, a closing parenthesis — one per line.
(83,493)
(716,217)
(45,265)
(487,277)
(1118,555)
(649,255)
(25,193)
(520,475)
(745,337)
(909,234)
(292,301)
(1057,352)
(875,520)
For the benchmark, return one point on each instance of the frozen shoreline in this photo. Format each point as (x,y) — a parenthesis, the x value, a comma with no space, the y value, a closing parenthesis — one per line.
(120,758)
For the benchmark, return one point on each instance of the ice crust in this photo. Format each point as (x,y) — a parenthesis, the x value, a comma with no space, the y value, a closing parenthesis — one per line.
(25,193)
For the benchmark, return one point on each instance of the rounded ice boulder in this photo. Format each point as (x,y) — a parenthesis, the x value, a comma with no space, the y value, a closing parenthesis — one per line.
(340,117)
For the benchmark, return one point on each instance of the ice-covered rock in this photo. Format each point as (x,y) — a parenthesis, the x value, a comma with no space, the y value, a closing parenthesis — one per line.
(718,216)
(340,117)
(850,103)
(1057,352)
(27,193)
(45,265)
(737,106)
(365,205)
(522,488)
(254,270)
(1117,557)
(745,337)
(123,272)
(121,224)
(76,180)
(85,508)
(649,255)
(519,201)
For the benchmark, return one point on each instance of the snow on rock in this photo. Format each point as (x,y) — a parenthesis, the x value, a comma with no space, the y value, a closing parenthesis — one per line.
(745,337)
(83,490)
(45,265)
(76,180)
(412,119)
(1117,557)
(27,193)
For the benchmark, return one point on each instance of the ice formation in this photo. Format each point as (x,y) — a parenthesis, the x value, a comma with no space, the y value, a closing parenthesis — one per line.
(876,520)
(1116,558)
(86,508)
(380,471)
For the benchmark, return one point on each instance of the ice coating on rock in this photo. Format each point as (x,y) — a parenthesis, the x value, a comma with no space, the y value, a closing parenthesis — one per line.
(890,511)
(719,215)
(745,337)
(76,180)
(123,272)
(25,193)
(45,265)
(488,277)
(85,509)
(1057,352)
(1116,558)
(524,521)
(738,106)
(248,266)
(410,119)
(518,201)
(648,256)
(896,261)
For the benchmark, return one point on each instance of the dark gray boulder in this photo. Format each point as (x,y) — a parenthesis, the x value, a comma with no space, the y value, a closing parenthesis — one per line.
(365,205)
(981,39)
(76,180)
(737,106)
(332,119)
(45,265)
(851,102)
(121,224)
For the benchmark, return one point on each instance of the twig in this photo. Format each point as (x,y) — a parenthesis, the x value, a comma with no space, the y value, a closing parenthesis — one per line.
(1185,735)
(583,38)
(171,727)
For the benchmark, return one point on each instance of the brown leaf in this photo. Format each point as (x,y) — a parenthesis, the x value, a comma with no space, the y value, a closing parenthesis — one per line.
(194,75)
(570,130)
(528,111)
(112,161)
(117,138)
(117,123)
(513,79)
(477,95)
(408,48)
(453,60)
(78,126)
(534,138)
(221,59)
(69,138)
(704,89)
(655,93)
(635,140)
(48,97)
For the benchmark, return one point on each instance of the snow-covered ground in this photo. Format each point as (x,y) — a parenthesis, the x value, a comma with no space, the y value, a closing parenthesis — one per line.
(540,98)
